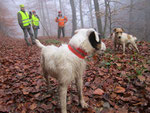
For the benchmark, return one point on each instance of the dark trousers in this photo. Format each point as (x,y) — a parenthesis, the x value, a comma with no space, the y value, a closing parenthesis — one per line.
(59,31)
(27,30)
(35,32)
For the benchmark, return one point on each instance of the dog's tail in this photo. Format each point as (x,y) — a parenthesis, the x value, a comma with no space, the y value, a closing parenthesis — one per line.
(134,38)
(38,43)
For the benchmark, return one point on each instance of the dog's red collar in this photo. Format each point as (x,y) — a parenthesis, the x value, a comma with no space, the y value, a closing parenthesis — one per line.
(78,52)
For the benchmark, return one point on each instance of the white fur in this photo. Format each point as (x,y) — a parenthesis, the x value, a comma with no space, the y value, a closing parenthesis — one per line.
(103,46)
(112,36)
(65,66)
(124,40)
(80,39)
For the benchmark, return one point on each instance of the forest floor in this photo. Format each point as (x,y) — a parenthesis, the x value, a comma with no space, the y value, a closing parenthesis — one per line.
(113,83)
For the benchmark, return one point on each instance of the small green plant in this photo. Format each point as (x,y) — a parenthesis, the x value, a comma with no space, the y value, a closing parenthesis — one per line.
(119,67)
(148,62)
(108,64)
(108,50)
(131,58)
(139,72)
(131,77)
(116,58)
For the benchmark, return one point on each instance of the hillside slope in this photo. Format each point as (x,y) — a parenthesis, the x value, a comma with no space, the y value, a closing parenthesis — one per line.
(113,83)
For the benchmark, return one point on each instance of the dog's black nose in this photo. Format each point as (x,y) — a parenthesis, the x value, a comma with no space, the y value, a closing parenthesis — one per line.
(119,37)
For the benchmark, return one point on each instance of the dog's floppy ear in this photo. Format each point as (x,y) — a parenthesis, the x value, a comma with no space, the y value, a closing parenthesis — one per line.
(114,30)
(122,29)
(97,37)
(76,31)
(94,39)
(93,33)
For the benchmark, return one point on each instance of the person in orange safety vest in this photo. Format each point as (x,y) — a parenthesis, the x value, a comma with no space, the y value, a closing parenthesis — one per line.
(61,20)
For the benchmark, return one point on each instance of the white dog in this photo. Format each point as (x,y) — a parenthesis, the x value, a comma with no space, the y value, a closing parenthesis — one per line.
(121,38)
(66,63)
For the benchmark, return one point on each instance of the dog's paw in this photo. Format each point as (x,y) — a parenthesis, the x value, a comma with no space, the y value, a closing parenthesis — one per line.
(84,104)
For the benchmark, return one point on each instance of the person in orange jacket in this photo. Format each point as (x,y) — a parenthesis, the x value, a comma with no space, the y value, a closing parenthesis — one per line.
(61,20)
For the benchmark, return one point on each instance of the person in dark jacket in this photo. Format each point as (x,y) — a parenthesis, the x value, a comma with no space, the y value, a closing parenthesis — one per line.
(24,22)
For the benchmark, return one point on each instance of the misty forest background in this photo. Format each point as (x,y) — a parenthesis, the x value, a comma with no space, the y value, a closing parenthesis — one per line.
(104,15)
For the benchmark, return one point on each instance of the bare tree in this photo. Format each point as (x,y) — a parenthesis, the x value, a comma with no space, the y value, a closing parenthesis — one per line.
(91,13)
(60,4)
(110,17)
(112,12)
(130,16)
(39,4)
(106,16)
(74,17)
(6,24)
(45,20)
(48,17)
(56,10)
(98,17)
(81,15)
(147,21)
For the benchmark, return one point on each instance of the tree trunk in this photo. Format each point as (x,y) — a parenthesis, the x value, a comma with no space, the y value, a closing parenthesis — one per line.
(91,14)
(110,18)
(56,10)
(147,20)
(130,16)
(43,19)
(41,16)
(60,4)
(81,16)
(106,16)
(38,3)
(74,17)
(48,18)
(98,17)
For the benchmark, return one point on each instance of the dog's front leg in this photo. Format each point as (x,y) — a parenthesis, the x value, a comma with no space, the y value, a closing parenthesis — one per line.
(63,95)
(118,46)
(79,83)
(124,45)
(114,45)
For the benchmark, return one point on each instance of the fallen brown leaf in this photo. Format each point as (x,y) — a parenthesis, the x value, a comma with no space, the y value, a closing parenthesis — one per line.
(119,89)
(33,106)
(98,92)
(141,78)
